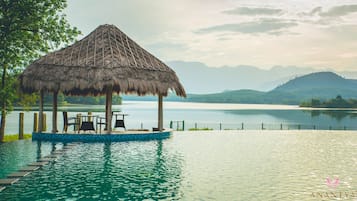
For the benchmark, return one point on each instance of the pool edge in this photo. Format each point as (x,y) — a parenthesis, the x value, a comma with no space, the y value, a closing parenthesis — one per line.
(102,137)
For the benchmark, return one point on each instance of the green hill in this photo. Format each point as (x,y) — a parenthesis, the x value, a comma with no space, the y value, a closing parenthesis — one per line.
(322,85)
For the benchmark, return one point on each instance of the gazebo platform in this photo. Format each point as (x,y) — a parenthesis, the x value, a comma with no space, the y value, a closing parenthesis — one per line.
(95,137)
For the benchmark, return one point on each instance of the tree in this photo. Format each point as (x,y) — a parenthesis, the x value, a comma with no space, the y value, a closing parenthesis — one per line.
(28,29)
(315,102)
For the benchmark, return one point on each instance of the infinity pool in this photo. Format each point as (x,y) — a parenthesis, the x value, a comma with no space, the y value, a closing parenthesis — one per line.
(226,165)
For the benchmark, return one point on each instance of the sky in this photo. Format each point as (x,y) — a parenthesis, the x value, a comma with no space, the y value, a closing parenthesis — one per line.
(321,34)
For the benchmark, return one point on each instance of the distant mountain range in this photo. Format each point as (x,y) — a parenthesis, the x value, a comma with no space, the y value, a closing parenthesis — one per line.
(198,78)
(321,85)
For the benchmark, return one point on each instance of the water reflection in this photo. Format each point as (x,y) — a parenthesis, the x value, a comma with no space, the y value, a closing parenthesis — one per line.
(107,167)
(39,151)
(339,115)
(322,119)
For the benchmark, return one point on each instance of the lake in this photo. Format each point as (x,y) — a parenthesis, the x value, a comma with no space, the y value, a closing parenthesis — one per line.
(208,115)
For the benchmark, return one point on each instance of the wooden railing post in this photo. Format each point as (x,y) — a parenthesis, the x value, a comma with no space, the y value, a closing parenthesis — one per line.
(40,113)
(89,116)
(35,122)
(21,126)
(44,125)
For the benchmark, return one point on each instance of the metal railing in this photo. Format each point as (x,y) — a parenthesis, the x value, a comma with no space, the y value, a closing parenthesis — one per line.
(182,125)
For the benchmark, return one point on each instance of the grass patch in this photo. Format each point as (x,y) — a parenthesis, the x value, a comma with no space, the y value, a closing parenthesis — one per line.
(14,137)
(200,129)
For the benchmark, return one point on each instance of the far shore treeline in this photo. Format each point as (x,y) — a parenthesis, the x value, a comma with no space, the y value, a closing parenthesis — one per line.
(337,102)
(83,100)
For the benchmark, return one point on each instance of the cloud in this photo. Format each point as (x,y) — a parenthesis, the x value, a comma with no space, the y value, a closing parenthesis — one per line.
(314,11)
(253,11)
(330,17)
(339,11)
(336,11)
(268,26)
(167,45)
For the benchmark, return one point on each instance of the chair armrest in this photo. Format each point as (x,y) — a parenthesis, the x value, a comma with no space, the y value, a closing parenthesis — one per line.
(69,118)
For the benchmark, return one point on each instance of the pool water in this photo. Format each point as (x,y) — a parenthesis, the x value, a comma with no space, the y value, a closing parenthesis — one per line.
(226,165)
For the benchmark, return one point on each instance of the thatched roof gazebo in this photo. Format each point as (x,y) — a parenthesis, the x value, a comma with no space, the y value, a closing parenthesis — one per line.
(103,62)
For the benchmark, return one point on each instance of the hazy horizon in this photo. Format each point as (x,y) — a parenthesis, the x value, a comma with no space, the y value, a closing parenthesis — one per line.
(199,78)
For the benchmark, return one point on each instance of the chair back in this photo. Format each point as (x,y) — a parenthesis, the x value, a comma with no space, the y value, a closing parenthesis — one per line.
(119,123)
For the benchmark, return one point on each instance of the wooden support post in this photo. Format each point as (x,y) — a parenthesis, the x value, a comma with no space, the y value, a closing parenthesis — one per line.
(21,126)
(108,112)
(160,115)
(78,122)
(54,112)
(40,116)
(89,116)
(44,124)
(35,122)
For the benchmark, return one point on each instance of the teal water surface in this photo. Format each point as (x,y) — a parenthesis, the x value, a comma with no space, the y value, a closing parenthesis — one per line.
(218,165)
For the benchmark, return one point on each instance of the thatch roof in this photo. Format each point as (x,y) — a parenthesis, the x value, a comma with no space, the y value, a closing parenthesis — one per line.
(105,58)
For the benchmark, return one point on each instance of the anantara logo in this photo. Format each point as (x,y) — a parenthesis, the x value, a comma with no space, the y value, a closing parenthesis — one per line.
(335,191)
(332,183)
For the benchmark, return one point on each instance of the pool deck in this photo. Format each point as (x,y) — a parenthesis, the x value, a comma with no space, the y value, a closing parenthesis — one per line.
(7,182)
(38,164)
(29,168)
(18,174)
(114,136)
